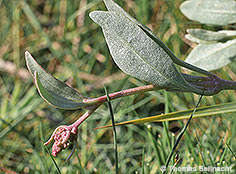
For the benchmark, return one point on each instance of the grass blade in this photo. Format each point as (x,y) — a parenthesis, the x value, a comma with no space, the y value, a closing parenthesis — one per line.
(143,164)
(42,147)
(37,26)
(114,130)
(230,149)
(79,162)
(165,123)
(154,145)
(181,134)
(179,115)
(54,162)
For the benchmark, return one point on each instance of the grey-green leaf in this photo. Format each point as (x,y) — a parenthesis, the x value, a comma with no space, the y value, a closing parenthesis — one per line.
(212,56)
(217,12)
(53,98)
(229,32)
(137,54)
(209,36)
(51,89)
(197,40)
(112,6)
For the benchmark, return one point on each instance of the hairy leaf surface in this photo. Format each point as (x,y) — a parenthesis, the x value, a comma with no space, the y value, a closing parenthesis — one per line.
(53,98)
(51,89)
(137,54)
(217,12)
(212,56)
(112,6)
(206,35)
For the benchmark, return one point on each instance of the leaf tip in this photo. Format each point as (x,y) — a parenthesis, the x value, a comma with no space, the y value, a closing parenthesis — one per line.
(28,60)
(99,17)
(27,53)
(92,14)
(27,56)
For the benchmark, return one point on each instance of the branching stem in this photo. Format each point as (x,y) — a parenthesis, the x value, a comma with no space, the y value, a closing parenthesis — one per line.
(85,116)
(122,93)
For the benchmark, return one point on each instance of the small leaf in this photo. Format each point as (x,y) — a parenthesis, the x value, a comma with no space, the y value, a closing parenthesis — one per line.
(197,40)
(217,12)
(206,35)
(179,115)
(212,56)
(51,89)
(137,54)
(228,32)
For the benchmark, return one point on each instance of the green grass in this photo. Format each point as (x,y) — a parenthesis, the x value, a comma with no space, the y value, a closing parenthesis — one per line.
(66,42)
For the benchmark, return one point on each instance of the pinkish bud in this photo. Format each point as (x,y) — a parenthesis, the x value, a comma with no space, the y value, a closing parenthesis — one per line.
(63,136)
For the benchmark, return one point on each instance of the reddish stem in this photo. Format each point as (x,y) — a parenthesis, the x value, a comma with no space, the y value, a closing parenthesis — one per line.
(122,93)
(85,116)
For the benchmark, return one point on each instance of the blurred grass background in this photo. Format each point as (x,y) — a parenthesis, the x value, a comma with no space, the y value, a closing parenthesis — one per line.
(66,42)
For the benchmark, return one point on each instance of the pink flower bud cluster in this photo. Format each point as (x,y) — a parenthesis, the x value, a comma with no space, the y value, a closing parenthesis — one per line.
(63,136)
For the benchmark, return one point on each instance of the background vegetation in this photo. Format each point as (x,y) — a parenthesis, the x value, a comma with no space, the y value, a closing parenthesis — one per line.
(66,42)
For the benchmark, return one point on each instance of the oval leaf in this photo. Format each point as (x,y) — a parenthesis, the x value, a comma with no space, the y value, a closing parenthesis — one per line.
(51,89)
(217,12)
(212,56)
(112,6)
(137,54)
(197,40)
(54,99)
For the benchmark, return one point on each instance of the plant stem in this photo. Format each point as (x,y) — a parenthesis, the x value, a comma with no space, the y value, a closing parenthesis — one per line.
(229,85)
(96,102)
(174,58)
(211,85)
(122,93)
(85,115)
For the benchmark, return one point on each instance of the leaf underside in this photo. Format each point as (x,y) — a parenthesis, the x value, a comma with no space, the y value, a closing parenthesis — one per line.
(137,54)
(53,98)
(112,6)
(208,37)
(212,56)
(217,12)
(52,90)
